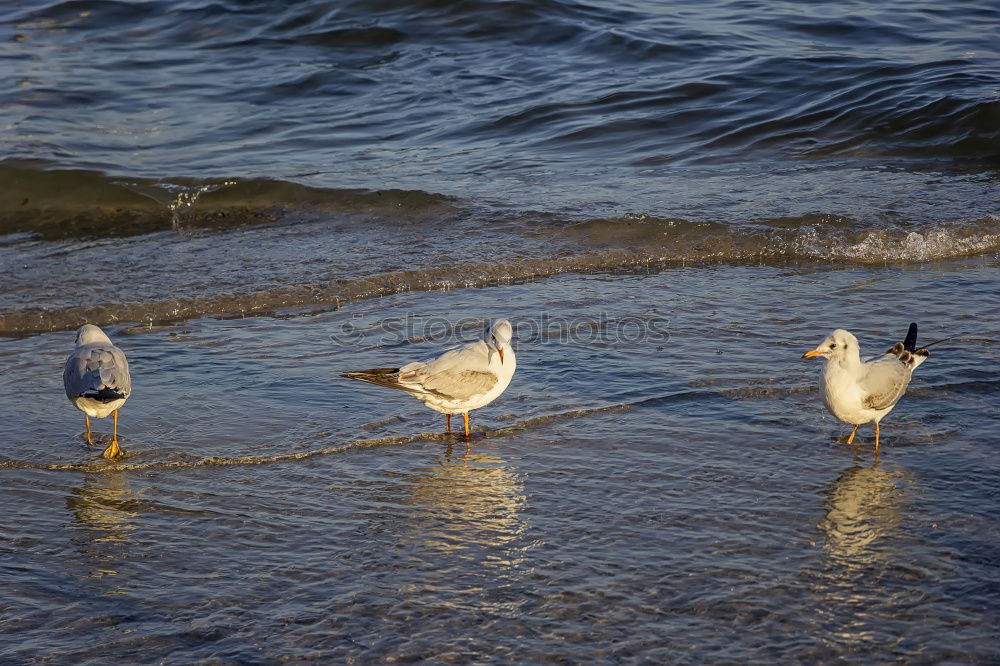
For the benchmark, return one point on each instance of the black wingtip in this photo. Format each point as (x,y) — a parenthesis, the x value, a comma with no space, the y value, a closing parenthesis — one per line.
(369,375)
(910,343)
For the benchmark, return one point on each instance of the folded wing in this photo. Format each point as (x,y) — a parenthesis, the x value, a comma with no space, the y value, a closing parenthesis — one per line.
(458,374)
(884,382)
(99,372)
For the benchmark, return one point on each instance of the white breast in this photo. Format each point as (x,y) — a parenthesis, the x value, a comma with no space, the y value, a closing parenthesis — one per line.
(844,398)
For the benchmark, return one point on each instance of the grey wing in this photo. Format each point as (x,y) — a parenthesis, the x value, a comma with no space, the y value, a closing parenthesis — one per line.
(94,368)
(885,382)
(458,374)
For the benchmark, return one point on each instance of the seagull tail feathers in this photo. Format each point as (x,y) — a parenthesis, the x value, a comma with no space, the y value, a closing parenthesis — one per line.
(378,376)
(106,394)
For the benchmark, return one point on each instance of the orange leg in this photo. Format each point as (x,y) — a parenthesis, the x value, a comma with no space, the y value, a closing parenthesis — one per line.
(447,422)
(113,449)
(86,420)
(465,415)
(876,435)
(850,440)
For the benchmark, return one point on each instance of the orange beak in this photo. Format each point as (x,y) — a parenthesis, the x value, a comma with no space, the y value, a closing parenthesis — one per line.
(813,354)
(501,355)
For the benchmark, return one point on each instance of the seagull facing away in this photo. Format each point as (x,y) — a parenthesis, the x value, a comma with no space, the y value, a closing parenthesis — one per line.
(857,391)
(457,381)
(97,381)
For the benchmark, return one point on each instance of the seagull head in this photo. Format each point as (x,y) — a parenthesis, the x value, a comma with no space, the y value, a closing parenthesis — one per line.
(836,346)
(499,336)
(88,334)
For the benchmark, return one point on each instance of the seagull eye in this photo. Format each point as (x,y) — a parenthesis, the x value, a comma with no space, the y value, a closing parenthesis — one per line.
(833,345)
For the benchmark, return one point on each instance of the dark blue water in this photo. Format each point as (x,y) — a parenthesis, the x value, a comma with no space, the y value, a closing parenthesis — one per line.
(733,131)
(520,102)
(248,195)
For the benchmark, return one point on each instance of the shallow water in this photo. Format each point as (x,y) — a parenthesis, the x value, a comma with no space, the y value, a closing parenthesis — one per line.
(676,496)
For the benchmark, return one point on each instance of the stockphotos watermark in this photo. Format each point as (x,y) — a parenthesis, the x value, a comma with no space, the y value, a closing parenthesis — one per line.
(603,328)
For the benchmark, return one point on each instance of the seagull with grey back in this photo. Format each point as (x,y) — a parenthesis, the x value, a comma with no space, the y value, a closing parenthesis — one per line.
(857,391)
(457,381)
(97,380)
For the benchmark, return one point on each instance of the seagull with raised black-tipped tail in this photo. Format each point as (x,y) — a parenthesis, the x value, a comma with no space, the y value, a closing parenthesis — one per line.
(457,381)
(857,391)
(97,381)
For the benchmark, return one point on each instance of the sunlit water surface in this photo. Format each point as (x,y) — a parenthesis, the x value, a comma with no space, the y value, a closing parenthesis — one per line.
(677,497)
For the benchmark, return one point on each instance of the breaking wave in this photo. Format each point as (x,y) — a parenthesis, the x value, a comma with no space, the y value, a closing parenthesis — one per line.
(604,245)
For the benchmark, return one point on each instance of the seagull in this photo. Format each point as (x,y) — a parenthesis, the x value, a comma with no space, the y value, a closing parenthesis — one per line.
(97,381)
(459,380)
(857,391)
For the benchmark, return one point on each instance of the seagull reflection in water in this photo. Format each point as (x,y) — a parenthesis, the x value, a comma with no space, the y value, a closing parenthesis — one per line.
(105,511)
(472,502)
(865,506)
